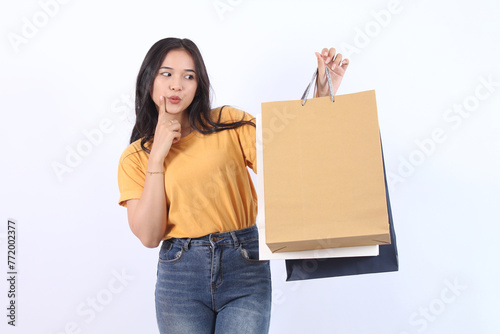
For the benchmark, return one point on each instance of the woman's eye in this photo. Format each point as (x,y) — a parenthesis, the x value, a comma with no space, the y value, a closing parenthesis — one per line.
(167,74)
(189,76)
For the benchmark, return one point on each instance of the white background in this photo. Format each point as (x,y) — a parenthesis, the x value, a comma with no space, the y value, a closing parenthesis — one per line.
(74,71)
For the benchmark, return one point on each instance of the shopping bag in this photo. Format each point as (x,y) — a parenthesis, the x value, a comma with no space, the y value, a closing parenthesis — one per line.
(323,174)
(386,261)
(264,251)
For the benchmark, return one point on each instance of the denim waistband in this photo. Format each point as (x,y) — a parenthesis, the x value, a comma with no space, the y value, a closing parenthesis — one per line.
(222,238)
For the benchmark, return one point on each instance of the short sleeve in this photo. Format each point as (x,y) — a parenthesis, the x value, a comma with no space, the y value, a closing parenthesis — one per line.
(246,136)
(131,173)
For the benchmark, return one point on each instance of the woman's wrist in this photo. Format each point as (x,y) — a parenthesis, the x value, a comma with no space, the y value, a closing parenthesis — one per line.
(155,164)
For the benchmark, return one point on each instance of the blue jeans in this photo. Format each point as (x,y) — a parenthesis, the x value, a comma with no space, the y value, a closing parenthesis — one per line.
(214,284)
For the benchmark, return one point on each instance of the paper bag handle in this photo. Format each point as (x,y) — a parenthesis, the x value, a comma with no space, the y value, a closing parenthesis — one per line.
(330,86)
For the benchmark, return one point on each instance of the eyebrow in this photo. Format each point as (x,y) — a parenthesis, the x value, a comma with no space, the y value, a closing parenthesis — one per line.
(170,68)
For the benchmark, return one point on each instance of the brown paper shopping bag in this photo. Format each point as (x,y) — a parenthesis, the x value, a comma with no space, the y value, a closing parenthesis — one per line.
(323,174)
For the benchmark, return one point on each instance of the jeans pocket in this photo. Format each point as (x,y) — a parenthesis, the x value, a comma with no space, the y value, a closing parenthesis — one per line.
(171,252)
(249,251)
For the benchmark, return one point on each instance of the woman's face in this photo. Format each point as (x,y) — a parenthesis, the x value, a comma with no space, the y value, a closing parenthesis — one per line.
(176,80)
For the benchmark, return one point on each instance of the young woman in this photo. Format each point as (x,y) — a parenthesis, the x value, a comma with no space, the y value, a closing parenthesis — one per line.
(184,181)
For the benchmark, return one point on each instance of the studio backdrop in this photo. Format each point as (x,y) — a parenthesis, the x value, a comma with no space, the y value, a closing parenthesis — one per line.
(70,263)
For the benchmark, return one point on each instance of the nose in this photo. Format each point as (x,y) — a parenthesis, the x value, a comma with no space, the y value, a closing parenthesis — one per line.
(175,84)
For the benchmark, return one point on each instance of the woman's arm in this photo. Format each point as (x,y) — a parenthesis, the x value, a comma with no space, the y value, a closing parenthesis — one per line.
(147,216)
(328,60)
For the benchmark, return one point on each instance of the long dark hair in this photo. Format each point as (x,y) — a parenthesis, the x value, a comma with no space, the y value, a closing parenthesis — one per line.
(199,111)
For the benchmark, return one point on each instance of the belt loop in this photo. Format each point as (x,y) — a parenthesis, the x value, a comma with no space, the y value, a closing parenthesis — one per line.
(235,239)
(186,244)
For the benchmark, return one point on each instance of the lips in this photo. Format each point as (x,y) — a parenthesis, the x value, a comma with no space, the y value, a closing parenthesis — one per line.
(174,99)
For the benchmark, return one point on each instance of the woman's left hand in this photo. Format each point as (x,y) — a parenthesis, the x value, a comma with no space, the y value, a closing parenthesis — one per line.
(329,60)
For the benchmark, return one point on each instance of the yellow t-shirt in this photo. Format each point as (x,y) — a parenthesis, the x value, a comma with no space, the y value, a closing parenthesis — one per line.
(208,187)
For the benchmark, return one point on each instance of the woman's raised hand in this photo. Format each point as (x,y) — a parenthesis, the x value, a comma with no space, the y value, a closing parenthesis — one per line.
(333,62)
(168,131)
